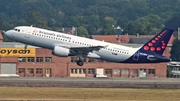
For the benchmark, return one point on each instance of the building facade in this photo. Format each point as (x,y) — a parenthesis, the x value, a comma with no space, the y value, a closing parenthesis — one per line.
(44,64)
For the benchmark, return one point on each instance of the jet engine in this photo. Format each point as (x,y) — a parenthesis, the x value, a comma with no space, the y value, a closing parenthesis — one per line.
(60,51)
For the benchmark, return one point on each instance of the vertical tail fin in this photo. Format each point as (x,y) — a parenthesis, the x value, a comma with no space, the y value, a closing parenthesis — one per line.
(158,43)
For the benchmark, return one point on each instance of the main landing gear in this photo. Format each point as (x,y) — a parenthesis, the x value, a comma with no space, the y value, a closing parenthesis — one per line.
(80,62)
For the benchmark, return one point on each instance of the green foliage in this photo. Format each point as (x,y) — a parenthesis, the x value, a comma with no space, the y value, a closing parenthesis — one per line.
(134,16)
(36,19)
(173,22)
(175,50)
(109,31)
(81,31)
(108,26)
(150,24)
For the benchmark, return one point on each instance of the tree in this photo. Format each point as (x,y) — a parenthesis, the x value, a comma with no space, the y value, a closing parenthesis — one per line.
(108,29)
(81,31)
(175,50)
(174,22)
(1,22)
(93,23)
(36,19)
(150,24)
(109,21)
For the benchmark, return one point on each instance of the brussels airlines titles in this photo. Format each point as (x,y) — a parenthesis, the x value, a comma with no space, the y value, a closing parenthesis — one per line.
(53,34)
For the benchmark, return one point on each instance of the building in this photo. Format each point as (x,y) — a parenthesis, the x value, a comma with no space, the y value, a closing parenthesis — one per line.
(173,69)
(41,63)
(1,37)
(72,30)
(44,64)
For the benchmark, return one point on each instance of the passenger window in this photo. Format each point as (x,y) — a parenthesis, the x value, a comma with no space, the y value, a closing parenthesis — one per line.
(18,30)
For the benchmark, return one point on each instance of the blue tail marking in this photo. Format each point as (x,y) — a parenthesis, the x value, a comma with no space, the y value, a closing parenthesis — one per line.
(158,43)
(152,51)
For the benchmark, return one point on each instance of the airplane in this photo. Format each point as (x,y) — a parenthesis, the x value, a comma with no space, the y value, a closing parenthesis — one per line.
(64,45)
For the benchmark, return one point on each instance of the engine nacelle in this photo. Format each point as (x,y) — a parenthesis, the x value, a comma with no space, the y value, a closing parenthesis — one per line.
(60,51)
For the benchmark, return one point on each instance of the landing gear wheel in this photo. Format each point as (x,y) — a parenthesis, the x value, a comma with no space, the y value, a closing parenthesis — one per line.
(80,63)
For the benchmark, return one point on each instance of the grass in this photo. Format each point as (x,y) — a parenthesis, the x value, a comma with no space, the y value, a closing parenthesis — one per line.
(88,94)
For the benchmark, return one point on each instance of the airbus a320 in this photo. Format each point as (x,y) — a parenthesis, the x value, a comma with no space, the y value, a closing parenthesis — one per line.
(64,45)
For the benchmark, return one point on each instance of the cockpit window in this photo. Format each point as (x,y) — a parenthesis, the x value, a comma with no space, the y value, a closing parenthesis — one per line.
(17,29)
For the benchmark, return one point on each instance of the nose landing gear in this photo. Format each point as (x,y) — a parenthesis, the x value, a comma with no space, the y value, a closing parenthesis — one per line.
(80,62)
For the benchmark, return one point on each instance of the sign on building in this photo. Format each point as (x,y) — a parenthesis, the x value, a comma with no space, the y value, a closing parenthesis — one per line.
(17,52)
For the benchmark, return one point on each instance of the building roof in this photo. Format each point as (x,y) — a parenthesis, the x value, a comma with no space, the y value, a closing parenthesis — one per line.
(1,36)
(134,39)
(112,38)
(67,30)
(142,39)
(139,40)
(14,45)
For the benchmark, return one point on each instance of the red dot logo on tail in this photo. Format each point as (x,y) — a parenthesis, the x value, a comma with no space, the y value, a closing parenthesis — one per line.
(162,47)
(153,41)
(156,39)
(158,48)
(152,49)
(150,44)
(146,48)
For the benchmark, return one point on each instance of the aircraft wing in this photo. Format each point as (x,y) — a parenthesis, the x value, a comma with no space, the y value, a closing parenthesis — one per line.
(82,50)
(85,50)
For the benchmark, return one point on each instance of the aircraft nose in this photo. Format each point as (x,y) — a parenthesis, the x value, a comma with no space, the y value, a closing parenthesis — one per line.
(7,33)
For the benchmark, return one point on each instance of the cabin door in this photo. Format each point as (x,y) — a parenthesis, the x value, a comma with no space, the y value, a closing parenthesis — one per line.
(136,56)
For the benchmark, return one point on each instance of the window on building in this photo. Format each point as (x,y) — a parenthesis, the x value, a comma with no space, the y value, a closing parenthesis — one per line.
(84,59)
(48,59)
(99,60)
(125,71)
(30,59)
(82,71)
(116,71)
(151,71)
(75,71)
(22,59)
(91,60)
(74,59)
(175,68)
(134,71)
(72,71)
(30,70)
(108,71)
(39,70)
(78,71)
(21,70)
(39,59)
(91,71)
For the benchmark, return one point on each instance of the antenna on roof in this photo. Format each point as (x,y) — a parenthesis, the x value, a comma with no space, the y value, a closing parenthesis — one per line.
(31,25)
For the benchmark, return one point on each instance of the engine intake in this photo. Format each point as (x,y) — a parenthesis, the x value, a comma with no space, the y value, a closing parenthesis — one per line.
(60,51)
